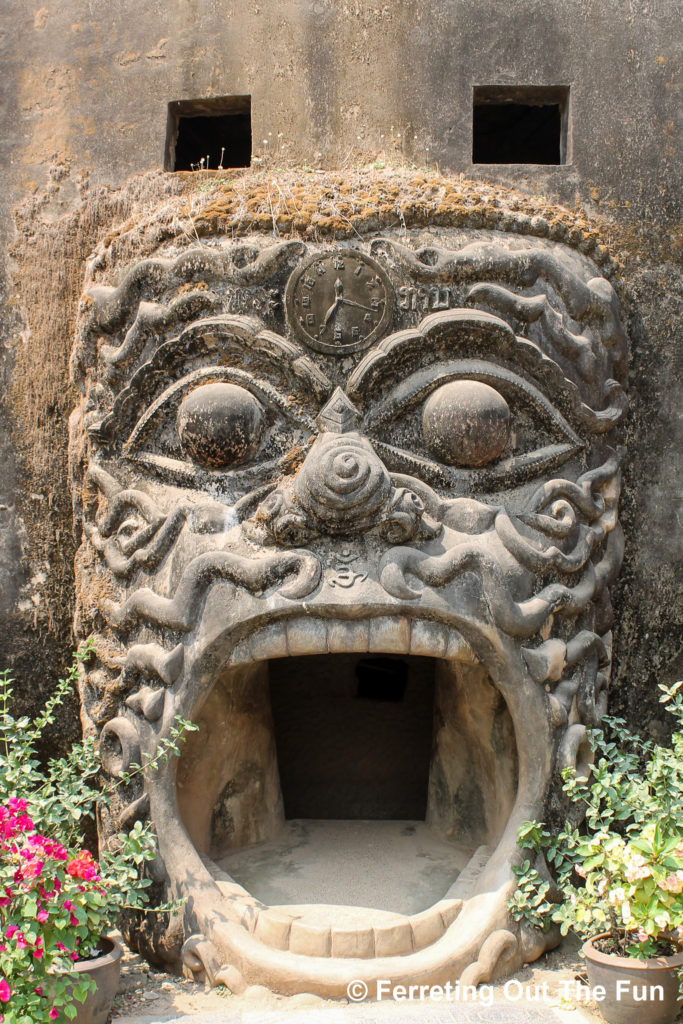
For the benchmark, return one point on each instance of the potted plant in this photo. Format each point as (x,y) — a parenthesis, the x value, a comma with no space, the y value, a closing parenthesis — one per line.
(619,882)
(56,901)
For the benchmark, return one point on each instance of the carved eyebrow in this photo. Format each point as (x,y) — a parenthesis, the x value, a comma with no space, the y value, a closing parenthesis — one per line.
(250,333)
(212,335)
(152,317)
(452,329)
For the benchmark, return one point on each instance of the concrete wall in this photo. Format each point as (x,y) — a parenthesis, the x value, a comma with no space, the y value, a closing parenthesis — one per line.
(83,104)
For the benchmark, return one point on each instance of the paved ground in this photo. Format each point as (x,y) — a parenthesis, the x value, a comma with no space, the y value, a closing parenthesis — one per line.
(543,993)
(401,867)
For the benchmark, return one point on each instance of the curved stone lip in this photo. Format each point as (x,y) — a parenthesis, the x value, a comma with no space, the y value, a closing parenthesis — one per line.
(440,942)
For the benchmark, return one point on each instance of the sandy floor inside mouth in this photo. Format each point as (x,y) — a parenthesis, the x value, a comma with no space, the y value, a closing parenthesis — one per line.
(400,867)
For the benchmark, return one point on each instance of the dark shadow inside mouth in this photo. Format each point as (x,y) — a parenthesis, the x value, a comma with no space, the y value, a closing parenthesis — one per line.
(338,778)
(353,735)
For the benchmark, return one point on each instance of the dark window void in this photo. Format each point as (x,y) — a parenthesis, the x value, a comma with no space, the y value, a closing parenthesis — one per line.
(209,134)
(353,735)
(520,125)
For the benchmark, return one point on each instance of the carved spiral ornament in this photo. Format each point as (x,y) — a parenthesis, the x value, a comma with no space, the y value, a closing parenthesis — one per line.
(343,483)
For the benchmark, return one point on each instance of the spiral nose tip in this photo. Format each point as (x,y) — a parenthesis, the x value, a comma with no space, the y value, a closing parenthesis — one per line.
(346,465)
(342,483)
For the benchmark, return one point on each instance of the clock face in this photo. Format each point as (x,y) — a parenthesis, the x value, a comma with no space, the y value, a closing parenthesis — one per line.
(339,302)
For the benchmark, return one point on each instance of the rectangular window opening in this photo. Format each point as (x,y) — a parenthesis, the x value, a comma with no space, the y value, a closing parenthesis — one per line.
(209,134)
(520,124)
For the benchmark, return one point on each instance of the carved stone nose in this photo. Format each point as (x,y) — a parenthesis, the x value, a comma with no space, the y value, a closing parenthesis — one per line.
(342,484)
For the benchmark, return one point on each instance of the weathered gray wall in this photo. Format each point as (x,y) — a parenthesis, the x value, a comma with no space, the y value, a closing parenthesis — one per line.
(83,96)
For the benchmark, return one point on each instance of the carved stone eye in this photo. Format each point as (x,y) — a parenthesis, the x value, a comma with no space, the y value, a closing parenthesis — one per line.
(220,424)
(466,423)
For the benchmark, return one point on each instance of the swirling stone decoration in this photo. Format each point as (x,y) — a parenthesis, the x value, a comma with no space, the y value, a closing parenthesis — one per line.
(413,469)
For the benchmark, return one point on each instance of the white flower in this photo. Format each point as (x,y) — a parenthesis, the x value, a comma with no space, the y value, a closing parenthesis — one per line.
(626,914)
(636,867)
(617,895)
(663,920)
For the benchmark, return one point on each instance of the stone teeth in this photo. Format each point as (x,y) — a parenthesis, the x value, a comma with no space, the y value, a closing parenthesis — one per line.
(348,637)
(306,636)
(389,635)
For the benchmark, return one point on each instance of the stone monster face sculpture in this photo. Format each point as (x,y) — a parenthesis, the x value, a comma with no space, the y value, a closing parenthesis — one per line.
(301,467)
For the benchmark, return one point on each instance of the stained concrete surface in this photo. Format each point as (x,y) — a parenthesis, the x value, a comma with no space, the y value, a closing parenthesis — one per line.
(394,866)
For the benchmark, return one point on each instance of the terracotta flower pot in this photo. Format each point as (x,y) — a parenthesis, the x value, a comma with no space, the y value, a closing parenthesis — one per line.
(635,990)
(105,970)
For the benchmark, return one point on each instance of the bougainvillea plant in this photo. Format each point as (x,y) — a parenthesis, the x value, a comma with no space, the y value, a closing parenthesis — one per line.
(56,900)
(622,875)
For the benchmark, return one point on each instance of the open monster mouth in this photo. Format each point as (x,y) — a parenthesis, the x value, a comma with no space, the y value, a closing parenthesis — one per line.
(357,798)
(353,793)
(373,570)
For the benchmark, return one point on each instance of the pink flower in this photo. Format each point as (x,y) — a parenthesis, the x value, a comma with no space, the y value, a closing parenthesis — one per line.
(673,883)
(12,930)
(5,991)
(83,866)
(42,916)
(21,941)
(53,1014)
(17,805)
(32,867)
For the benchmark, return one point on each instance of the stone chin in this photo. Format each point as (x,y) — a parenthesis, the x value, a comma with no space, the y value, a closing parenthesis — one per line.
(379,584)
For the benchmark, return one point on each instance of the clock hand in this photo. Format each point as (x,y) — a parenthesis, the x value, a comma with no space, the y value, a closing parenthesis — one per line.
(338,299)
(358,305)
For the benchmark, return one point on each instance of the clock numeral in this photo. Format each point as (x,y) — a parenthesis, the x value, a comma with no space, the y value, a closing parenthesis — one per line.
(305,300)
(358,270)
(320,269)
(338,262)
(308,282)
(310,319)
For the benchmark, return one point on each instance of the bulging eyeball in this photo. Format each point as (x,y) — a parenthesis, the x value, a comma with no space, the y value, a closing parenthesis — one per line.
(466,423)
(220,425)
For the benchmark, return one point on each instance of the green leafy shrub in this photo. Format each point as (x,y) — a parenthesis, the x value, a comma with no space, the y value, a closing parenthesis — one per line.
(623,874)
(56,901)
